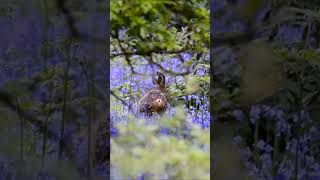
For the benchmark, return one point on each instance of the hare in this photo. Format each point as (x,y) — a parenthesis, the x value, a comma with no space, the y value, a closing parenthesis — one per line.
(154,101)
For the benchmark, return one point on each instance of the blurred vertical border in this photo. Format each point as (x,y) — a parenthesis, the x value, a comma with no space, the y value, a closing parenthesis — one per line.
(54,89)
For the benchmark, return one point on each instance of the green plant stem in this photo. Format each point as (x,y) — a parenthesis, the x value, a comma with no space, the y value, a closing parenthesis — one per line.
(256,138)
(91,113)
(275,154)
(300,109)
(46,26)
(20,167)
(65,94)
(45,129)
(21,129)
(45,57)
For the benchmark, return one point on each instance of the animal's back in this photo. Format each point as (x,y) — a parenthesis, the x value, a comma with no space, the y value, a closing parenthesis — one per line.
(153,101)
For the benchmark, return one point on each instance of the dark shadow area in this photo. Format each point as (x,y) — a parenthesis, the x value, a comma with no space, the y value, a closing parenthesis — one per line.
(54,90)
(265,90)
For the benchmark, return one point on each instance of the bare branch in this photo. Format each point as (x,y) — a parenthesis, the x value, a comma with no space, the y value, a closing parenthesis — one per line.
(151,61)
(149,52)
(127,58)
(121,100)
(70,19)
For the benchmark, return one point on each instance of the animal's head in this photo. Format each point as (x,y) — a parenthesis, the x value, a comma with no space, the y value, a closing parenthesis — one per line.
(160,82)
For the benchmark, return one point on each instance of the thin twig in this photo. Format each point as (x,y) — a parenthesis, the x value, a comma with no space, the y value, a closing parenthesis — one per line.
(121,100)
(151,61)
(127,58)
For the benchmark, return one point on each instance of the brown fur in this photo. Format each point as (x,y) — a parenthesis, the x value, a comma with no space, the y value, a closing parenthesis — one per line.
(154,101)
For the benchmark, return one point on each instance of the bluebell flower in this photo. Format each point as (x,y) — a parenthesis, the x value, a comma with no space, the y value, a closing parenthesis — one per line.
(260,144)
(283,127)
(317,177)
(254,113)
(268,148)
(238,140)
(280,115)
(266,162)
(290,34)
(281,177)
(238,114)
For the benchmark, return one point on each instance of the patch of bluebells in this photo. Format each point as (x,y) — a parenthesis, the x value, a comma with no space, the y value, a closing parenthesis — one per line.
(21,44)
(118,78)
(290,34)
(238,114)
(175,64)
(225,23)
(297,129)
(120,75)
(199,114)
(301,148)
(202,114)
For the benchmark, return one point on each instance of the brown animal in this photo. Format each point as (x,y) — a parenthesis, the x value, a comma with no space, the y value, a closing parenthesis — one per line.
(154,101)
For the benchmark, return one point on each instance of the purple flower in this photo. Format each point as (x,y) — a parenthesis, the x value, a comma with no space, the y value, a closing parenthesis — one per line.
(289,34)
(268,148)
(237,140)
(238,114)
(280,115)
(260,145)
(281,177)
(282,127)
(314,178)
(254,114)
(304,115)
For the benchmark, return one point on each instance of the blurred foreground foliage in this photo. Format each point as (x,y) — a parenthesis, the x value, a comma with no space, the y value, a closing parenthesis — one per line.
(266,70)
(161,148)
(51,94)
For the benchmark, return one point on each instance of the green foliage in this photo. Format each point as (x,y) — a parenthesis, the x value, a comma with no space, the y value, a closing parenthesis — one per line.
(299,55)
(141,149)
(197,84)
(157,31)
(250,8)
(260,77)
(154,24)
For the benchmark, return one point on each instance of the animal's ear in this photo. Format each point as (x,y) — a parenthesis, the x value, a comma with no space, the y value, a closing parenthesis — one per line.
(161,79)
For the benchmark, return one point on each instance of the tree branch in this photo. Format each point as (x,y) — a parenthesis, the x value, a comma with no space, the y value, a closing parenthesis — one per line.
(151,61)
(121,100)
(149,52)
(127,58)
